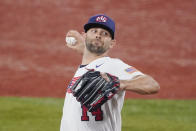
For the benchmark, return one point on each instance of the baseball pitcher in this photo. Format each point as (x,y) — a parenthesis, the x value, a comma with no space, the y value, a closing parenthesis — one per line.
(95,96)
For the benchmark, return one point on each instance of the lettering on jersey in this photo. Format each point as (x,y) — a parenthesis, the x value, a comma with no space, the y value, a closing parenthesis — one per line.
(73,81)
(131,70)
(97,113)
(84,116)
(101,19)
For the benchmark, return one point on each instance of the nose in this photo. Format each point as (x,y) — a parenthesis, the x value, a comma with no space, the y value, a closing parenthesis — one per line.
(98,36)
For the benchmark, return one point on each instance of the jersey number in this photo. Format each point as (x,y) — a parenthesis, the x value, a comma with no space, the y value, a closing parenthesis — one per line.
(98,114)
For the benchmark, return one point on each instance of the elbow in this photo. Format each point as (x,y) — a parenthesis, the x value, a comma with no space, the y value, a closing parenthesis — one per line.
(150,86)
(153,88)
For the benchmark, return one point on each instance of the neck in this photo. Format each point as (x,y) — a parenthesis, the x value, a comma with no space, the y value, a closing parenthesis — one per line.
(89,57)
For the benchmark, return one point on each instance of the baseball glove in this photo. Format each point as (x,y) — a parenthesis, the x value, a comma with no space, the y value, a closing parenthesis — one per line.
(92,90)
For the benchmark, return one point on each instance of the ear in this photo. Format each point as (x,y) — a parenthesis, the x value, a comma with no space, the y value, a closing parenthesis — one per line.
(113,43)
(83,35)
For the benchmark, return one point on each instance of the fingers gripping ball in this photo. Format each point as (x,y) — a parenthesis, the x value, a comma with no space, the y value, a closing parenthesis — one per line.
(71,40)
(92,90)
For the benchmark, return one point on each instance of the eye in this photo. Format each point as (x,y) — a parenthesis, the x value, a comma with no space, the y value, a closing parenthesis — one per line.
(93,31)
(105,33)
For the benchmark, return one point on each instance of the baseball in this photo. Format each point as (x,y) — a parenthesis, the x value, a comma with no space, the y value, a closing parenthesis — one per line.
(71,40)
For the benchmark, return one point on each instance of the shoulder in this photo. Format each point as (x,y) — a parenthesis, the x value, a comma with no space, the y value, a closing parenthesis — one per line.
(121,69)
(116,62)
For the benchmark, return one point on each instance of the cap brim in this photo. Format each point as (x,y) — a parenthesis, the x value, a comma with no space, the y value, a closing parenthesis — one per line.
(93,25)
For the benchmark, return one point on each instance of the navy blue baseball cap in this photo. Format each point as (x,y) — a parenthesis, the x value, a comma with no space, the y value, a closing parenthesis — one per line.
(101,21)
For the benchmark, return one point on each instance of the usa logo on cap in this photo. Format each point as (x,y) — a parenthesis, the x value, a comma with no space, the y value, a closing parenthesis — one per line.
(101,19)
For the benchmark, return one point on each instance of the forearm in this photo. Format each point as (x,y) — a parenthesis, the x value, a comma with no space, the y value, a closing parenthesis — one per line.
(141,84)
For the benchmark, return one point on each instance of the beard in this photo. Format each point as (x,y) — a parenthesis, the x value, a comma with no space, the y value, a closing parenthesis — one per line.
(95,49)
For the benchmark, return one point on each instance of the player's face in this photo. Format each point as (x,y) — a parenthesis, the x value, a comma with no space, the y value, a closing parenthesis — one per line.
(98,40)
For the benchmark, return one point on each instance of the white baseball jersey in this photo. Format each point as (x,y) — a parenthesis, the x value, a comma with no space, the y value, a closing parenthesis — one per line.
(108,117)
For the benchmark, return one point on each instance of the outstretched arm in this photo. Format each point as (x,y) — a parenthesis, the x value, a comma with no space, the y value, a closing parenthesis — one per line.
(79,44)
(141,85)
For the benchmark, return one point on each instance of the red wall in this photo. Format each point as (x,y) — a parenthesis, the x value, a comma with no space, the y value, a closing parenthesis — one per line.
(155,36)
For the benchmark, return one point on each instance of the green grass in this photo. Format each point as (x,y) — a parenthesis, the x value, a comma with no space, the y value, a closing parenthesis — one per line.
(44,114)
(30,114)
(159,115)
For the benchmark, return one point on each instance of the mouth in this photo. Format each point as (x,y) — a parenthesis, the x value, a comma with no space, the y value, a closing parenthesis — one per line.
(97,43)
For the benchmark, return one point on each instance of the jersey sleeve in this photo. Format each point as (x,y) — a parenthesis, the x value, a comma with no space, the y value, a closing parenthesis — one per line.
(122,70)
